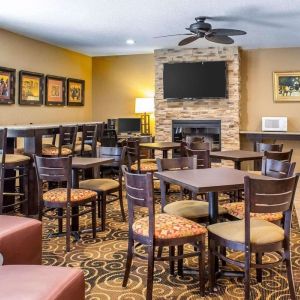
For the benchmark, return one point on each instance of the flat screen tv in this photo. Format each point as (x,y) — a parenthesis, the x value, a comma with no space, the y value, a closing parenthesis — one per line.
(200,80)
(128,125)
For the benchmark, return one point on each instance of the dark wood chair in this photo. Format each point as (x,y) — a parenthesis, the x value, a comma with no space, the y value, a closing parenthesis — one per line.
(262,147)
(281,156)
(59,170)
(158,230)
(203,157)
(272,168)
(13,167)
(88,143)
(107,186)
(109,138)
(66,145)
(256,236)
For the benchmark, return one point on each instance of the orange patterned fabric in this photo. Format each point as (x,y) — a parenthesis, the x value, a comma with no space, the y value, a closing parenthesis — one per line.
(148,166)
(237,210)
(168,227)
(53,151)
(60,195)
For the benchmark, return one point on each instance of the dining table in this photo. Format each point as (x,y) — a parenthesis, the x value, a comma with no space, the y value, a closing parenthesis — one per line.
(237,156)
(162,146)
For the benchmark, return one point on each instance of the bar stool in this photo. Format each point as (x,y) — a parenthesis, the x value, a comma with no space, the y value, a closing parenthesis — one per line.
(10,164)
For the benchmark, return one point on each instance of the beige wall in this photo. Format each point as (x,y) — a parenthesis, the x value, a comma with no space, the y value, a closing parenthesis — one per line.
(257,91)
(22,53)
(117,81)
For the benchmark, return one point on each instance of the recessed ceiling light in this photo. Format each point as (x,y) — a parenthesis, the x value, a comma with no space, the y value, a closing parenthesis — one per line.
(130,42)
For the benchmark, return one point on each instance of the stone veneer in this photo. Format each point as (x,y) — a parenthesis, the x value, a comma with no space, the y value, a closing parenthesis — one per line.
(226,110)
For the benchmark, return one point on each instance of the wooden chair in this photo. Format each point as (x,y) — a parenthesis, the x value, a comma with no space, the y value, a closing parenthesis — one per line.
(136,162)
(106,186)
(203,157)
(256,236)
(88,143)
(66,146)
(109,138)
(262,147)
(281,156)
(13,167)
(158,230)
(59,170)
(271,168)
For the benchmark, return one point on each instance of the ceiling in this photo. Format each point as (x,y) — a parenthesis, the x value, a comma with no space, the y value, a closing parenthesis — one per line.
(101,27)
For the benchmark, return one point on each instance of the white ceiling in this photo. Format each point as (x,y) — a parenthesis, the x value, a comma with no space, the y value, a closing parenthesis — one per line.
(101,27)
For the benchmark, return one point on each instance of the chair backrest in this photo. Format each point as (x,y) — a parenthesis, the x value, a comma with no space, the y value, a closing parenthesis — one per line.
(194,139)
(89,136)
(109,138)
(139,192)
(67,137)
(172,164)
(133,153)
(269,196)
(100,131)
(203,157)
(277,169)
(261,147)
(199,146)
(3,144)
(282,156)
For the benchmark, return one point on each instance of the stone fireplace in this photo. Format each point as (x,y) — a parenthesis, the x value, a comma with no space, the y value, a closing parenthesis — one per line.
(227,111)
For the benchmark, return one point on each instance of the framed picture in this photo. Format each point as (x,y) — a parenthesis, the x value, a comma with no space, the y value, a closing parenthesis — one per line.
(286,86)
(7,85)
(31,88)
(75,92)
(55,91)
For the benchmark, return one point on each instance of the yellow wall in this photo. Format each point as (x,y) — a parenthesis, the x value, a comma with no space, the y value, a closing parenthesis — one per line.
(23,53)
(117,81)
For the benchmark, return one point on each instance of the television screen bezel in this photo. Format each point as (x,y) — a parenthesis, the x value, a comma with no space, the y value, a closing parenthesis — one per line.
(198,98)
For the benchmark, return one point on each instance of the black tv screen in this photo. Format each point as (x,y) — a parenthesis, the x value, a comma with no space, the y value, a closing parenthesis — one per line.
(195,80)
(128,125)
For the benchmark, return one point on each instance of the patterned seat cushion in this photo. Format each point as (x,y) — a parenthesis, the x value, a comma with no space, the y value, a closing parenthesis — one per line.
(173,187)
(60,195)
(237,210)
(146,166)
(261,231)
(99,184)
(15,158)
(53,151)
(168,227)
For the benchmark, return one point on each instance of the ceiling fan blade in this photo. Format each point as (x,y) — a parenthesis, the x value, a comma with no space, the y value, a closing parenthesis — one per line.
(228,32)
(221,39)
(162,36)
(188,40)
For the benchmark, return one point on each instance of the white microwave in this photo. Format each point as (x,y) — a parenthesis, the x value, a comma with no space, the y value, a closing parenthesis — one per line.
(274,123)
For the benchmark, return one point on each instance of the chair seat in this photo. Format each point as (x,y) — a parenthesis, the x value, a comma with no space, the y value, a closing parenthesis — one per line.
(261,231)
(146,166)
(99,184)
(60,195)
(41,283)
(86,147)
(15,158)
(50,150)
(173,187)
(237,210)
(190,209)
(168,227)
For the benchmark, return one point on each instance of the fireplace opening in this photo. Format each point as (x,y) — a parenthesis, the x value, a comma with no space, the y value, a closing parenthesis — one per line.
(210,130)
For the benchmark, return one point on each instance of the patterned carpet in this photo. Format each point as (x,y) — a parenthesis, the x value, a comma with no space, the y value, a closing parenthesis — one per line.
(103,262)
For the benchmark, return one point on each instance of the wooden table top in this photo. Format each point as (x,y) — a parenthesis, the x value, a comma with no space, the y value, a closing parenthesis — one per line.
(161,145)
(237,155)
(89,162)
(207,180)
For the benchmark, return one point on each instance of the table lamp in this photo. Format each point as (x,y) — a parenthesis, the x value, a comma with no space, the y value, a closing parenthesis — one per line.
(144,106)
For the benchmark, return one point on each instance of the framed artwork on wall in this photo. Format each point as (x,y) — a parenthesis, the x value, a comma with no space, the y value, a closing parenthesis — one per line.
(31,88)
(7,85)
(286,86)
(75,92)
(55,91)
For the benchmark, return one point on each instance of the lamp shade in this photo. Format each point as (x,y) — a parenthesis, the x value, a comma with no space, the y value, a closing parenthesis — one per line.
(144,105)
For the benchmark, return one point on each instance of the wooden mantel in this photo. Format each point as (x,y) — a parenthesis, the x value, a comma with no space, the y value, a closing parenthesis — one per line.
(259,136)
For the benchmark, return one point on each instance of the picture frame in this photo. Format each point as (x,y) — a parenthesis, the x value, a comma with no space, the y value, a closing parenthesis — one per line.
(31,88)
(75,92)
(286,86)
(55,94)
(7,85)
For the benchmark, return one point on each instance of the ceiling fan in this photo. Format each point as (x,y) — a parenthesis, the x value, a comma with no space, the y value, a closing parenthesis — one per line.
(202,29)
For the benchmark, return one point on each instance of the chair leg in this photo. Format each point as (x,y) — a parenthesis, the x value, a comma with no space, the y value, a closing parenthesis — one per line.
(151,250)
(68,228)
(159,251)
(121,204)
(202,266)
(60,220)
(288,262)
(128,261)
(180,261)
(258,258)
(103,211)
(211,264)
(25,190)
(247,274)
(171,261)
(94,221)
(99,206)
(223,251)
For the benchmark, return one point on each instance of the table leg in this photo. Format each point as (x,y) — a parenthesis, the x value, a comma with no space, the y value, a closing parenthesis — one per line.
(75,210)
(165,153)
(237,165)
(163,189)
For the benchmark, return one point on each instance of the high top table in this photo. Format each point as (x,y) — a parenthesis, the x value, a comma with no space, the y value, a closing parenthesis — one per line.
(163,146)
